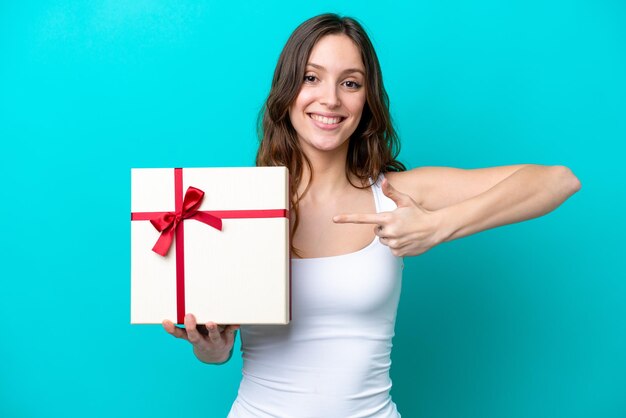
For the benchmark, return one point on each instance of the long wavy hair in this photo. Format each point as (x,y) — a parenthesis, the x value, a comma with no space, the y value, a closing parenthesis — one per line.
(374,145)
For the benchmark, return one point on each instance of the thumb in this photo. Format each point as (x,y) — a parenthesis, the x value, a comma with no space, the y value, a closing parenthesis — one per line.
(399,198)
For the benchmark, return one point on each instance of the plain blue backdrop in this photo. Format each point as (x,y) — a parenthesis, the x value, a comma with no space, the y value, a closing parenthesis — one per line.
(527,320)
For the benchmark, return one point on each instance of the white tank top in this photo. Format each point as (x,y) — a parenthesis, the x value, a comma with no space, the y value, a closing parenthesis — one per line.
(333,358)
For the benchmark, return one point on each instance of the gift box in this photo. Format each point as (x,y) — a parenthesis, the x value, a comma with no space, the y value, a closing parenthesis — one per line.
(210,241)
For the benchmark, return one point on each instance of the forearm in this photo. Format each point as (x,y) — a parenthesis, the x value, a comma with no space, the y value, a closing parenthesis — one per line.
(530,192)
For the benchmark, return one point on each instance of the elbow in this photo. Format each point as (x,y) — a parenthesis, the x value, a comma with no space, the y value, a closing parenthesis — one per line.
(568,180)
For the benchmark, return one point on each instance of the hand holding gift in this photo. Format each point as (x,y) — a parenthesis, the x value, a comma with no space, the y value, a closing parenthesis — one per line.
(213,347)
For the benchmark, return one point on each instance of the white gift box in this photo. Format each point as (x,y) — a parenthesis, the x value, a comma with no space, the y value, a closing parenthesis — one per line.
(236,275)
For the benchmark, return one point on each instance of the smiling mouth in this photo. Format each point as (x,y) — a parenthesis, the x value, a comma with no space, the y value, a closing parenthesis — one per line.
(326,120)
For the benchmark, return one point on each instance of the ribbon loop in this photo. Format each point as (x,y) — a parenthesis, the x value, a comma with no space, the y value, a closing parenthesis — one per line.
(191,201)
(164,221)
(167,223)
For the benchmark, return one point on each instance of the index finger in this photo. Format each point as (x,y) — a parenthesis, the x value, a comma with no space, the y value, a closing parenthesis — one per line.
(360,218)
(193,335)
(214,332)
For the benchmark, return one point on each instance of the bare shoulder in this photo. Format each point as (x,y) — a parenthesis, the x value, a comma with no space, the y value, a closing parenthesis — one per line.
(411,182)
(438,187)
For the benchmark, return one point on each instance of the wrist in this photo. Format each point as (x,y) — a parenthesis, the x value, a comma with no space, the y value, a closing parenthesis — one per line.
(450,222)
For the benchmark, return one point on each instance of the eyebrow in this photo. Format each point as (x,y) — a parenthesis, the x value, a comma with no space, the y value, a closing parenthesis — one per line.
(346,71)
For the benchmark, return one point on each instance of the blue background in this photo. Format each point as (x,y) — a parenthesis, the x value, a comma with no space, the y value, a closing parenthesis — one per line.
(526,320)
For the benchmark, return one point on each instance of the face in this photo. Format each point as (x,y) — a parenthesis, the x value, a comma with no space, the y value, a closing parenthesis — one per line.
(329,105)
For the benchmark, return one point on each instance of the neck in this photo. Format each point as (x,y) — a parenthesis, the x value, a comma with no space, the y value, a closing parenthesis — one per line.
(329,175)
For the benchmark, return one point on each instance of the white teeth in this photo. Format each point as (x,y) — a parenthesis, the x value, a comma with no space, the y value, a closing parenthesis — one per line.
(325,120)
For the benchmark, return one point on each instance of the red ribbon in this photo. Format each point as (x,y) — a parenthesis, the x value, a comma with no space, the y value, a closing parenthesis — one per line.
(170,223)
(167,223)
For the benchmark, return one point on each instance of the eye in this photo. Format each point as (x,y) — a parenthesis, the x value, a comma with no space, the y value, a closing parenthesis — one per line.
(351,84)
(309,78)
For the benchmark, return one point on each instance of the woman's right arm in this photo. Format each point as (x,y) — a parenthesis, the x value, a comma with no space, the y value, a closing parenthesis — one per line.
(214,348)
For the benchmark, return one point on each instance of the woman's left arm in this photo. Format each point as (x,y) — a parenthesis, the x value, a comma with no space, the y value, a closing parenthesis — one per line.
(527,193)
(439,204)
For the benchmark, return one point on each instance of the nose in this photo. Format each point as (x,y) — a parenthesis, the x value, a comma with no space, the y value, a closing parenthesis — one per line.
(329,97)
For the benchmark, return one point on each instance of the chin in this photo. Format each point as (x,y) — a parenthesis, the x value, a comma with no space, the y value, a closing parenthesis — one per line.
(326,146)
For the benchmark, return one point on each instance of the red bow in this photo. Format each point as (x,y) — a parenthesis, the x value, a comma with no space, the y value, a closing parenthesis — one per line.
(167,223)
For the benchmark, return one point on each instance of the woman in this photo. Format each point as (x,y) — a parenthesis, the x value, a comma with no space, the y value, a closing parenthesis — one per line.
(327,119)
